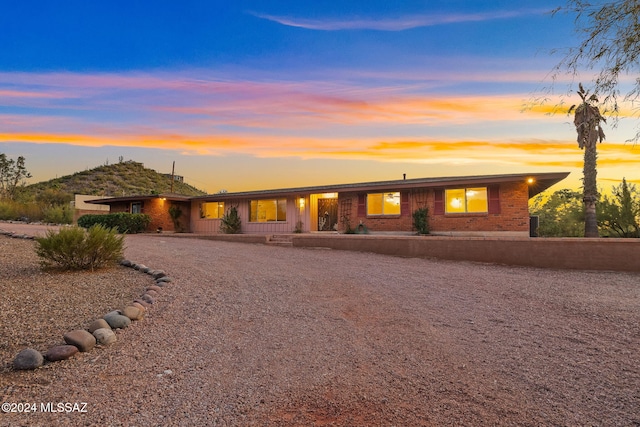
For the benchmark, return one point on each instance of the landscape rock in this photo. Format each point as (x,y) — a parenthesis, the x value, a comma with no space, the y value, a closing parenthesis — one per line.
(81,339)
(105,336)
(147,298)
(126,263)
(151,292)
(158,274)
(97,324)
(28,359)
(60,352)
(164,279)
(139,306)
(117,321)
(133,313)
(154,288)
(142,302)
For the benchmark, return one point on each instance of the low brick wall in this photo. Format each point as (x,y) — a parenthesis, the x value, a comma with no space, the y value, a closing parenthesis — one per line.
(562,253)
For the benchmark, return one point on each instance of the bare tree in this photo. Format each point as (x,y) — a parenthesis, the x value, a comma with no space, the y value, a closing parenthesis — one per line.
(609,47)
(587,121)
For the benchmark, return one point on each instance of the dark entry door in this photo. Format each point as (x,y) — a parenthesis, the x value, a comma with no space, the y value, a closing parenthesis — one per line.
(327,214)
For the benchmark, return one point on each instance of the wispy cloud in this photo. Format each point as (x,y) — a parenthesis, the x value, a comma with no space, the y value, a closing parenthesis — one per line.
(394,24)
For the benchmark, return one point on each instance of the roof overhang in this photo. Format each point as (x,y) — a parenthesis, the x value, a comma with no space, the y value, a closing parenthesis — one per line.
(537,182)
(140,198)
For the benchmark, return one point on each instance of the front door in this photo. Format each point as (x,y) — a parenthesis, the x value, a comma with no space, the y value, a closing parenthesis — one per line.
(327,214)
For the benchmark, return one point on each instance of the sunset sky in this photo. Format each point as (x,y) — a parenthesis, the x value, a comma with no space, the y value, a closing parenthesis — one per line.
(249,95)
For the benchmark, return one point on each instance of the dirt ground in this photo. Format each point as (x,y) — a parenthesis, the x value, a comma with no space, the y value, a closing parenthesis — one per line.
(268,336)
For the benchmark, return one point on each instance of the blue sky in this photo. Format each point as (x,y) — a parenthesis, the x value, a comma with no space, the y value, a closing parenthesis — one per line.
(249,95)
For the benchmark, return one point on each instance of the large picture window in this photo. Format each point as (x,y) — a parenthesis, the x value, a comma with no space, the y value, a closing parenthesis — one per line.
(271,210)
(466,200)
(383,203)
(212,210)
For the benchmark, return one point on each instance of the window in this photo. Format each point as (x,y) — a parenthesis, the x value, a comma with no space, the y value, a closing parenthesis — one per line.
(383,203)
(136,207)
(466,200)
(212,210)
(273,210)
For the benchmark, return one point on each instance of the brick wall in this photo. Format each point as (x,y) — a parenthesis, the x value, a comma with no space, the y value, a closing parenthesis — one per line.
(513,216)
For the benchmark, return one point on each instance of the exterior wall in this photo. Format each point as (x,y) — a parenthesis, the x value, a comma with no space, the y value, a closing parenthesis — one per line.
(81,208)
(349,217)
(158,210)
(513,216)
(295,213)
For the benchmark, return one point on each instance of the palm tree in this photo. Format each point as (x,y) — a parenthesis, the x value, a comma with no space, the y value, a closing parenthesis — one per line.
(587,122)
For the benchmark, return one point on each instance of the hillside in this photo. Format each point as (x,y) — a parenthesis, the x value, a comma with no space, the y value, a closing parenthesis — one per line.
(126,178)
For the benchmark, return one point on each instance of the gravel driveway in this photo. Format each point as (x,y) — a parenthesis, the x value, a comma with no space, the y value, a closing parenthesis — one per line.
(258,335)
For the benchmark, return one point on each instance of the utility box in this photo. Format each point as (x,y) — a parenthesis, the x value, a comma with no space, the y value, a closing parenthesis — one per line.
(534,223)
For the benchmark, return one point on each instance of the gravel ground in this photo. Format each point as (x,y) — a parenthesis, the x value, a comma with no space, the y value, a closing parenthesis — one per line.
(269,336)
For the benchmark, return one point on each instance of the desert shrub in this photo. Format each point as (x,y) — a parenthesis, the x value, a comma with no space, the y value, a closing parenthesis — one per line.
(230,222)
(61,214)
(75,248)
(421,220)
(124,222)
(20,211)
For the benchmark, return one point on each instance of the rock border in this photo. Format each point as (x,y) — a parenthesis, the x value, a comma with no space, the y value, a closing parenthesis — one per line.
(99,331)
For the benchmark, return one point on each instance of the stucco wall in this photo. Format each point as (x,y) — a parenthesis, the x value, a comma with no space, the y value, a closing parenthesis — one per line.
(562,253)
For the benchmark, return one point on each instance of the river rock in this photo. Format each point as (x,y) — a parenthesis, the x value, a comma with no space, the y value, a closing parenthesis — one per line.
(158,274)
(81,339)
(105,336)
(117,320)
(147,298)
(154,288)
(139,306)
(28,359)
(60,352)
(97,324)
(133,313)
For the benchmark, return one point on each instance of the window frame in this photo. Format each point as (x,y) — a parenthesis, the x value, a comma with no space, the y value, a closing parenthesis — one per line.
(220,214)
(280,208)
(465,204)
(395,194)
(136,204)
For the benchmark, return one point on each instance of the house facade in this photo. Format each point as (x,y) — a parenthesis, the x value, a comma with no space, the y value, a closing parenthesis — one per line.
(468,205)
(158,206)
(472,205)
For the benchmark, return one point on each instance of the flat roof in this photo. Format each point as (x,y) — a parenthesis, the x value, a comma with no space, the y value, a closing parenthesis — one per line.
(540,182)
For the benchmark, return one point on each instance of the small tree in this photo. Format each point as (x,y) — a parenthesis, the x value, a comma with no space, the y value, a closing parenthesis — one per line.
(12,175)
(230,222)
(561,214)
(620,214)
(175,213)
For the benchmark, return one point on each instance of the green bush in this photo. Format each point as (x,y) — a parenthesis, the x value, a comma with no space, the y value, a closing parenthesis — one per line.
(75,248)
(421,220)
(124,222)
(230,222)
(61,214)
